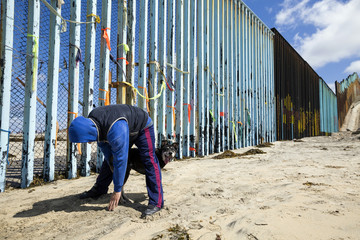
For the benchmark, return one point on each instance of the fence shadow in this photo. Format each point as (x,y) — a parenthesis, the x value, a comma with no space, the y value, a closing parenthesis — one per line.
(72,203)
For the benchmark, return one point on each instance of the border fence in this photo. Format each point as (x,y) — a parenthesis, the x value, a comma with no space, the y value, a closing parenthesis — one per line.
(208,73)
(347,91)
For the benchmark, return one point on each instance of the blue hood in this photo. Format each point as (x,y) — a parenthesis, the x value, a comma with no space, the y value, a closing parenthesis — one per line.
(82,130)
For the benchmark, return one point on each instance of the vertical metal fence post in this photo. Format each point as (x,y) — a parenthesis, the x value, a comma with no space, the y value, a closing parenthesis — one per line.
(153,60)
(104,60)
(88,91)
(216,22)
(6,54)
(226,74)
(201,76)
(73,99)
(231,74)
(187,93)
(192,101)
(162,64)
(130,57)
(221,74)
(243,76)
(211,80)
(170,72)
(121,50)
(206,77)
(32,49)
(52,93)
(142,103)
(179,75)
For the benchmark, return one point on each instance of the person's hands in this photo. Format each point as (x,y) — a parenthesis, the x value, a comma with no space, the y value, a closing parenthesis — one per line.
(114,200)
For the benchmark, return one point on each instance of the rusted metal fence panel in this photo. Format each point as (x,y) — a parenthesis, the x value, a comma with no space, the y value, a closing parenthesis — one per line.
(347,92)
(297,93)
(202,69)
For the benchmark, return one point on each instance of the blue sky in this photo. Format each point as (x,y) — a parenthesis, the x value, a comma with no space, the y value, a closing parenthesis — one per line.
(326,33)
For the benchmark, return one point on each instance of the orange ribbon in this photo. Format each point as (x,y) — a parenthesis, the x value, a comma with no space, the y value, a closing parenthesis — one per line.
(192,149)
(107,97)
(173,108)
(222,114)
(78,144)
(127,63)
(106,36)
(189,111)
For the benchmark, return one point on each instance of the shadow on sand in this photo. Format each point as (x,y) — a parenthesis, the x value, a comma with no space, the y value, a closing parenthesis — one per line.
(72,203)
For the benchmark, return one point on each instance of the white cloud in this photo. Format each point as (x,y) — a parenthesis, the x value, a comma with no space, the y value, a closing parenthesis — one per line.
(337,34)
(354,67)
(332,86)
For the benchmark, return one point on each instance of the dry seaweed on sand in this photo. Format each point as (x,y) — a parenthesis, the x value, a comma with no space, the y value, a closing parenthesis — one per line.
(252,152)
(174,233)
(266,144)
(231,154)
(298,140)
(226,154)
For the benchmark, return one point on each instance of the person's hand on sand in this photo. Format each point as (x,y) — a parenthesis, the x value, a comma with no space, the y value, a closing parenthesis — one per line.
(114,200)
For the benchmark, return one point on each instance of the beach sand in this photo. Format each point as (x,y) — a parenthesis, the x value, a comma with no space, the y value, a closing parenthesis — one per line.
(308,189)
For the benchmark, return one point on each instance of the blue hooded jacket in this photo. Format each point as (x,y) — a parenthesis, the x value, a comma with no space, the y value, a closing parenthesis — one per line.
(83,130)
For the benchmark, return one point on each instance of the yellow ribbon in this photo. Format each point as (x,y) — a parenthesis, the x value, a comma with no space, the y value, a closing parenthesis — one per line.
(35,60)
(234,127)
(212,115)
(152,98)
(97,18)
(126,47)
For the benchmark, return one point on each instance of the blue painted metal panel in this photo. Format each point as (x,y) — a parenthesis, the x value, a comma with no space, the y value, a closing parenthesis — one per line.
(6,55)
(52,93)
(30,93)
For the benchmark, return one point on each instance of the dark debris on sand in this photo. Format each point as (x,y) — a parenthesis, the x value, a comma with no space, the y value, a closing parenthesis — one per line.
(231,154)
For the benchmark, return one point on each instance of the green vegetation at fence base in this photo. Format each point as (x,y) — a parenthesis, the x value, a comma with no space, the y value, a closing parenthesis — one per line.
(231,154)
(174,233)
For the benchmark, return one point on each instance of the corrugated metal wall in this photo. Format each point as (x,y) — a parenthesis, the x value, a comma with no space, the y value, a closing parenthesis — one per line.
(347,91)
(297,93)
(215,57)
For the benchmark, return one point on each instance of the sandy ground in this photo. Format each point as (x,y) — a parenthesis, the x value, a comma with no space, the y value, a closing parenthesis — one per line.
(297,190)
(307,189)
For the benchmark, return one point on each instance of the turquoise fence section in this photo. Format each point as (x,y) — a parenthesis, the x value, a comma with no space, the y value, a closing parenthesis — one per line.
(328,109)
